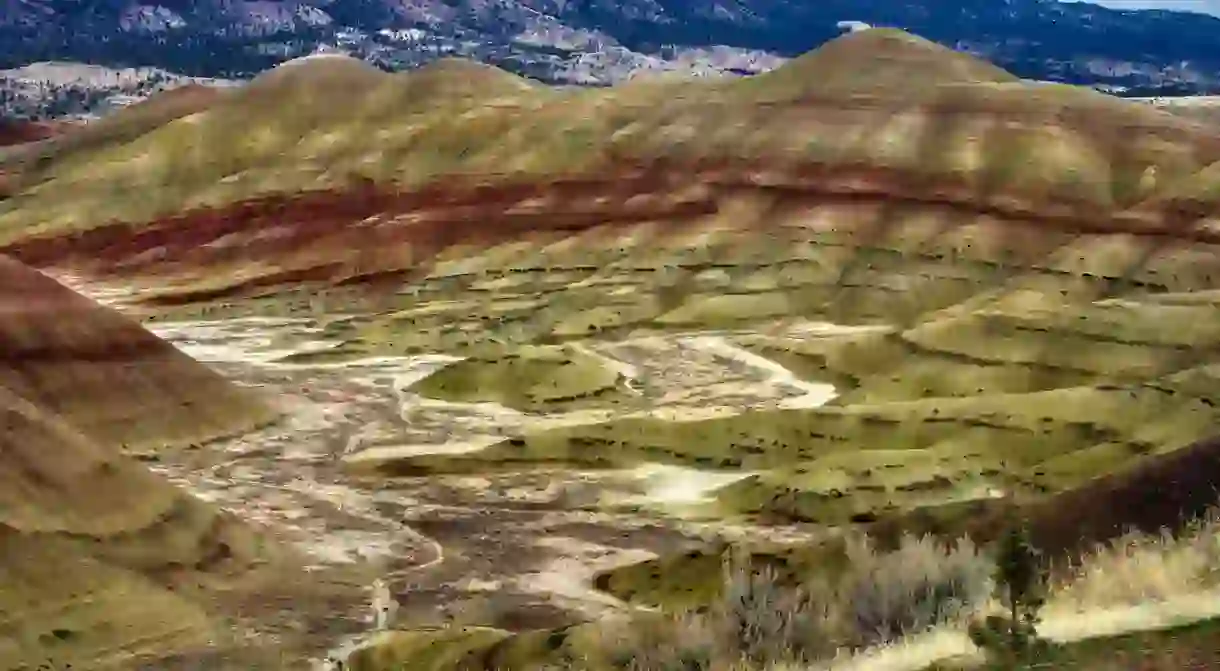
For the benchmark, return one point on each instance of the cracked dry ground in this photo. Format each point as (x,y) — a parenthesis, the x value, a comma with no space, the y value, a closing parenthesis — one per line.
(512,550)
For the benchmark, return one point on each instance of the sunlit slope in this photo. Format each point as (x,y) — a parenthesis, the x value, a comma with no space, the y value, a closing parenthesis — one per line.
(100,561)
(840,68)
(74,144)
(1039,289)
(99,371)
(80,525)
(1031,375)
(916,120)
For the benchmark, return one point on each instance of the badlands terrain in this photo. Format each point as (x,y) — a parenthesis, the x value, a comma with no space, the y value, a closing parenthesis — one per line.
(536,359)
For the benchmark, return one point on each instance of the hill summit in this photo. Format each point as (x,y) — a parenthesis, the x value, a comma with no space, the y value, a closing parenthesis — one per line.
(879,61)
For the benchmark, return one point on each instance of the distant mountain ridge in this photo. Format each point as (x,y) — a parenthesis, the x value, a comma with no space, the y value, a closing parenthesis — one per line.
(599,41)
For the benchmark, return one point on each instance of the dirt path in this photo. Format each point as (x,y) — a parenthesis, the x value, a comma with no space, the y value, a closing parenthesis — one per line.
(813,394)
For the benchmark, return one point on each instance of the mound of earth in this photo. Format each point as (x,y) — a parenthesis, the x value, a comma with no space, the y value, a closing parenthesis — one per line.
(479,649)
(879,61)
(103,563)
(95,550)
(317,70)
(531,379)
(13,134)
(449,77)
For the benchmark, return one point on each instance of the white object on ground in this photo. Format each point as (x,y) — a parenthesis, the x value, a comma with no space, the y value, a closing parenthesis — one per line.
(384,605)
(676,484)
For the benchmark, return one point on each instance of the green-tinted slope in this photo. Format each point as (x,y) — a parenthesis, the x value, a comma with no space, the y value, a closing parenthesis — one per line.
(101,562)
(882,62)
(949,124)
(538,379)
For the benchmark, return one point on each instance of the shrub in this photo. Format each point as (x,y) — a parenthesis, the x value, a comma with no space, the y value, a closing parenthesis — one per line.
(760,620)
(1021,583)
(682,642)
(912,589)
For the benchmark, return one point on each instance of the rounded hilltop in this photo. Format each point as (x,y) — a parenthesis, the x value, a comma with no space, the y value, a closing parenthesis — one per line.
(878,61)
(319,70)
(296,96)
(113,130)
(194,96)
(461,77)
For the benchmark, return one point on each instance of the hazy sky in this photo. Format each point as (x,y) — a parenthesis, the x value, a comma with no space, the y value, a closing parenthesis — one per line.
(1206,6)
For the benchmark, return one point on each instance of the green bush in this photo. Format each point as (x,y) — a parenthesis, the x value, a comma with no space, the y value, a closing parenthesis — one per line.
(1021,585)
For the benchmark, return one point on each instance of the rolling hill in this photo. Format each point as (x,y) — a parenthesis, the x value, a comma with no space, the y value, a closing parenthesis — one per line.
(604,42)
(1009,288)
(105,564)
(1036,256)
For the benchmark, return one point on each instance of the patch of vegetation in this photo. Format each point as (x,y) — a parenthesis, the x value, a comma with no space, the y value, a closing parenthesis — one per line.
(769,613)
(760,616)
(531,379)
(427,651)
(1192,646)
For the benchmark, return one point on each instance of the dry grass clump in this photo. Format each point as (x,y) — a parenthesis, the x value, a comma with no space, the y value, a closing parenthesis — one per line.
(1141,568)
(675,642)
(762,620)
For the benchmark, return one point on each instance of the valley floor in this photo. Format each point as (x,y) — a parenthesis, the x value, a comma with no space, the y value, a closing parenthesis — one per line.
(513,550)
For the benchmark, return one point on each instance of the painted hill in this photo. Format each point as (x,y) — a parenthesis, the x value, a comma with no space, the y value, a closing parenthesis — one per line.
(1172,490)
(104,563)
(879,61)
(92,545)
(1020,246)
(973,139)
(68,356)
(15,135)
(1011,287)
(133,121)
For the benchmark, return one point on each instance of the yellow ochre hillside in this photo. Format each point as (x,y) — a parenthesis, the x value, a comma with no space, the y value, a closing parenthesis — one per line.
(547,354)
(103,564)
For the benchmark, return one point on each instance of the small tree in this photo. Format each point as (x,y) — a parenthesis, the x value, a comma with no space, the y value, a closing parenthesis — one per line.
(1021,580)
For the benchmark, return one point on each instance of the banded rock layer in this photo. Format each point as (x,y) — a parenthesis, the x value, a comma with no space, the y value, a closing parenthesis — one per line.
(101,562)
